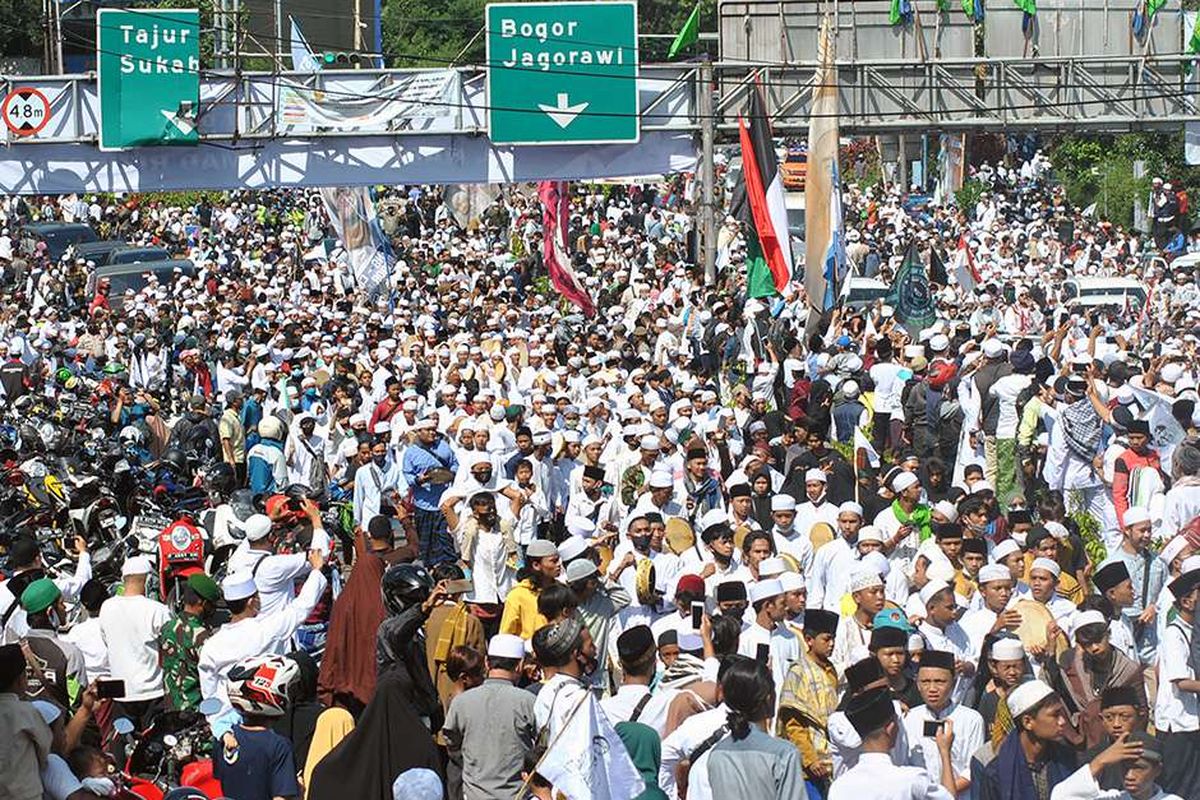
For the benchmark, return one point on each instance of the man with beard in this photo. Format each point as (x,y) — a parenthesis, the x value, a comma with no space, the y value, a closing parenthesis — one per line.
(1084,672)
(591,503)
(542,565)
(567,654)
(834,562)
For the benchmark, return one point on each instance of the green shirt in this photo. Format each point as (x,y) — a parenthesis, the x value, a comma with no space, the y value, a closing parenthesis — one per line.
(179,643)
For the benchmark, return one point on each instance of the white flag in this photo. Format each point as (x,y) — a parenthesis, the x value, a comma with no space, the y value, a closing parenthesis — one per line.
(862,443)
(587,759)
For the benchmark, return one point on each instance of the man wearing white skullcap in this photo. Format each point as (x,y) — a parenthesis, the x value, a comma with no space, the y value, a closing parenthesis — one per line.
(767,599)
(1043,585)
(854,631)
(1039,719)
(816,508)
(995,589)
(942,632)
(786,533)
(833,563)
(906,522)
(1148,576)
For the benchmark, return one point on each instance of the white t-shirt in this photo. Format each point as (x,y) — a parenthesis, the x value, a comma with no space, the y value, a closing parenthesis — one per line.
(130,625)
(886,377)
(1175,711)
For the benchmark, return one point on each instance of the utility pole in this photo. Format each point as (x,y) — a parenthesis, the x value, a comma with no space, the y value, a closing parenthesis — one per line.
(708,125)
(52,30)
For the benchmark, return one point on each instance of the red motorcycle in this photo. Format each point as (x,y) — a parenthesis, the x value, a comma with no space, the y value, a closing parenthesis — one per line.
(180,554)
(170,760)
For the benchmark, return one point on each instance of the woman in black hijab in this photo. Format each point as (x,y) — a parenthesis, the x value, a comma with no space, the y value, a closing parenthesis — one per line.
(388,739)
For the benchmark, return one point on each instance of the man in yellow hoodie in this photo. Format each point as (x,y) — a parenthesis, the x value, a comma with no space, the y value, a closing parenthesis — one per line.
(542,565)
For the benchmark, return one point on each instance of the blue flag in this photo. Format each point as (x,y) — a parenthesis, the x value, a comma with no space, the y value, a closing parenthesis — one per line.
(910,296)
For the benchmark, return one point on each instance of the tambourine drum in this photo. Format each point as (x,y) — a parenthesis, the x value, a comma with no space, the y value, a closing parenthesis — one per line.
(679,536)
(1035,617)
(439,476)
(644,583)
(322,377)
(739,535)
(792,563)
(821,534)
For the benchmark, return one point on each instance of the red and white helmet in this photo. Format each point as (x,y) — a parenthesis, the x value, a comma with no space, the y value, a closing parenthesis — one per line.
(262,685)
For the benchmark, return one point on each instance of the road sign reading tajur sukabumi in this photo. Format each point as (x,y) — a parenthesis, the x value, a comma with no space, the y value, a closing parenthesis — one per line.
(148,68)
(562,73)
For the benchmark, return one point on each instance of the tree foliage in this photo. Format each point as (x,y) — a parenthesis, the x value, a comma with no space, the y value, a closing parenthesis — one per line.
(21,35)
(1099,169)
(437,33)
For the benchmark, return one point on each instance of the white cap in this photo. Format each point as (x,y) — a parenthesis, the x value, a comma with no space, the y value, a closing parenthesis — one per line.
(903,481)
(1136,514)
(1092,617)
(649,443)
(864,578)
(238,586)
(256,527)
(947,510)
(571,547)
(869,533)
(1172,549)
(765,589)
(849,388)
(815,475)
(876,562)
(772,566)
(1026,696)
(426,424)
(783,502)
(850,507)
(136,565)
(580,526)
(993,348)
(505,645)
(1005,549)
(982,486)
(791,581)
(1008,650)
(932,588)
(1050,566)
(994,572)
(661,479)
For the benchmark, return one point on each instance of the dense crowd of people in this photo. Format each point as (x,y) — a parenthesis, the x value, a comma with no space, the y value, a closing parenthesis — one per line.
(750,553)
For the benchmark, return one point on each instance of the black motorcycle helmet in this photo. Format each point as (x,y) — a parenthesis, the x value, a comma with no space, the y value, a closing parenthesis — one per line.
(404,586)
(176,461)
(221,479)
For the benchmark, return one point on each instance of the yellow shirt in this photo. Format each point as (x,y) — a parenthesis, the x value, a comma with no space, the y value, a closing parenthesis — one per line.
(521,617)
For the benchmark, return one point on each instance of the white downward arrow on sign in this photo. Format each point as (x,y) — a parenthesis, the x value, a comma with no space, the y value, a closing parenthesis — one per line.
(179,122)
(563,114)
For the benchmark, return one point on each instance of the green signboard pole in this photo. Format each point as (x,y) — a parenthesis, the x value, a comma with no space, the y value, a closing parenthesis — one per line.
(148,76)
(562,73)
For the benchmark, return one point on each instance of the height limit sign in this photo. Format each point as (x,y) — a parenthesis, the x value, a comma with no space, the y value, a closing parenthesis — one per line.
(26,111)
(562,73)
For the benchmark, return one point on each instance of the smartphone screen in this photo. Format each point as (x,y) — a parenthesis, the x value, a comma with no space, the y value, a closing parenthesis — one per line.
(764,653)
(697,615)
(932,726)
(107,689)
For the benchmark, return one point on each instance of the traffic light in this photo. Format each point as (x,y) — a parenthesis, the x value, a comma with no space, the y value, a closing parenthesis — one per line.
(342,59)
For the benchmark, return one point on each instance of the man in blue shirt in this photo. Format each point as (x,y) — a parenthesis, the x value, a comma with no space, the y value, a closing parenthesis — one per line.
(429,466)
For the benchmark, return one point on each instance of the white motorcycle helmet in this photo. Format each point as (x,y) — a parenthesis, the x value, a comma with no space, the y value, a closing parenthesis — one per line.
(263,685)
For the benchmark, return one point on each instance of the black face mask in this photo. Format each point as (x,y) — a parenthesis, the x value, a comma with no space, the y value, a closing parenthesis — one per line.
(737,611)
(640,543)
(379,460)
(483,476)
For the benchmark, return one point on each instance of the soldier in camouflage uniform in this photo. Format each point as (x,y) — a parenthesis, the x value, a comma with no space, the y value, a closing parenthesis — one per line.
(179,642)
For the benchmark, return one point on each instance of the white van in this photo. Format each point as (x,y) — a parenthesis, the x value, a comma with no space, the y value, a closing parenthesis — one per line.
(1084,293)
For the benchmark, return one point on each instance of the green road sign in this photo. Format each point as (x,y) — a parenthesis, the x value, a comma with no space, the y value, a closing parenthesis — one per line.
(148,68)
(562,73)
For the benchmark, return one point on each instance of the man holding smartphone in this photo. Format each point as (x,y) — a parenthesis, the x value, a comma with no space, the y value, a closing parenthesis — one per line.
(935,682)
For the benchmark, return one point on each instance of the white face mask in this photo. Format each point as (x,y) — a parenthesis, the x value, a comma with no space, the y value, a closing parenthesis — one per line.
(104,787)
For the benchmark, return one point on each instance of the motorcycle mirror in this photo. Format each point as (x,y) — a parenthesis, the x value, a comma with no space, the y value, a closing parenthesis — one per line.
(123,726)
(170,741)
(209,706)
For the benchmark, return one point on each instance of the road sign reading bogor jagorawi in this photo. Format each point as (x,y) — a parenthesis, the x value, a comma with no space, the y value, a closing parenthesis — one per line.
(562,73)
(148,68)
